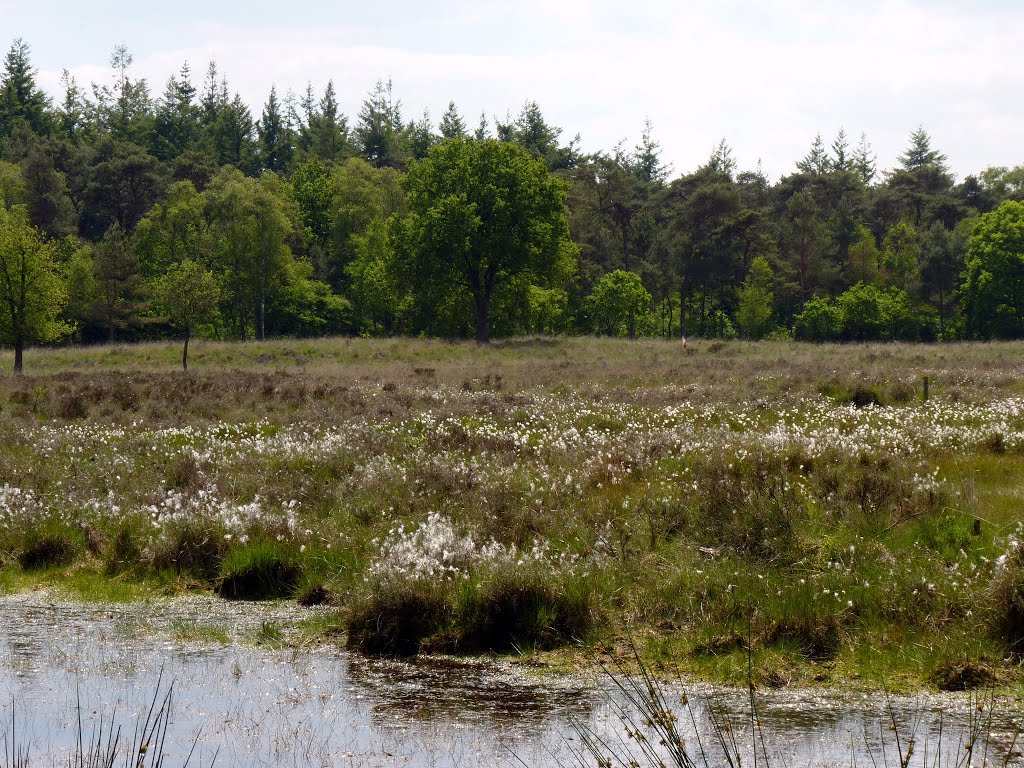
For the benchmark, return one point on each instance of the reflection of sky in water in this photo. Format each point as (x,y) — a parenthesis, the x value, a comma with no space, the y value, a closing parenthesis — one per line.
(324,707)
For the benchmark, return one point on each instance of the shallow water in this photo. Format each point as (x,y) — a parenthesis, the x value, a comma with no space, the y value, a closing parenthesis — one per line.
(254,705)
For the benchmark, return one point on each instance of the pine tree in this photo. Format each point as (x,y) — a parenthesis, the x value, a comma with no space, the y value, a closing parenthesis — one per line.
(646,161)
(863,160)
(380,131)
(452,125)
(841,160)
(71,115)
(275,147)
(816,161)
(920,153)
(326,133)
(20,97)
(177,118)
(482,130)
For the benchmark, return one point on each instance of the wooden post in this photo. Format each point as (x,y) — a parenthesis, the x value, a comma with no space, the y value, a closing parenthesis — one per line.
(926,389)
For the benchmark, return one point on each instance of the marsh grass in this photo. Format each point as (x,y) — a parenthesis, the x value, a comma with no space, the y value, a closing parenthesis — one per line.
(682,492)
(657,725)
(262,570)
(107,744)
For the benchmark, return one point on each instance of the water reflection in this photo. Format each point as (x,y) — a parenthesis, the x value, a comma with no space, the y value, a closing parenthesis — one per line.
(321,707)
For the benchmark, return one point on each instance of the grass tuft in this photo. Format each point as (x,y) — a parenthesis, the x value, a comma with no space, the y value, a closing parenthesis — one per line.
(264,570)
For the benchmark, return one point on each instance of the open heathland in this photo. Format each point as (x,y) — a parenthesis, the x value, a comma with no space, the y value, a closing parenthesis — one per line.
(801,511)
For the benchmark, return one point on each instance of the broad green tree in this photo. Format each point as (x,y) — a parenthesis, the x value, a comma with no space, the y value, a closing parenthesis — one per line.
(187,294)
(993,288)
(756,300)
(481,214)
(32,293)
(820,320)
(618,299)
(900,256)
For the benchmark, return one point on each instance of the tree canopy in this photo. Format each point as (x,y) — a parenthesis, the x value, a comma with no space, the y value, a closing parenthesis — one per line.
(312,221)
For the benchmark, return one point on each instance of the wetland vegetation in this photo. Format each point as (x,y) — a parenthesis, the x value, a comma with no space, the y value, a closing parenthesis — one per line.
(798,509)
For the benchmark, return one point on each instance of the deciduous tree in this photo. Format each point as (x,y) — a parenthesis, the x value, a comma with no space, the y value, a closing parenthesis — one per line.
(32,294)
(482,213)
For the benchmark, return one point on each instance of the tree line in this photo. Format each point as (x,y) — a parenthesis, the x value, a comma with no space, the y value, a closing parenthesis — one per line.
(125,216)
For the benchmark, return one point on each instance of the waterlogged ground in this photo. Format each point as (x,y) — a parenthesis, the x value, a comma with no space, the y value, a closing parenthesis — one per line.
(803,502)
(253,705)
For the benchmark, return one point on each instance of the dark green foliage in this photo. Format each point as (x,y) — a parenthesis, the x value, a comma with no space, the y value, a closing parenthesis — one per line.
(481,214)
(275,137)
(47,549)
(520,611)
(20,98)
(395,619)
(123,552)
(1006,601)
(193,548)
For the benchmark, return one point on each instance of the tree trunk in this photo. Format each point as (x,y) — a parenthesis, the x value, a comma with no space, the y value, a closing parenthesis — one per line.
(19,348)
(483,333)
(682,309)
(184,354)
(942,313)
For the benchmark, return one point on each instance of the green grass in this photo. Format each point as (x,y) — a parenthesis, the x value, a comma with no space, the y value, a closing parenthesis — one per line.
(199,632)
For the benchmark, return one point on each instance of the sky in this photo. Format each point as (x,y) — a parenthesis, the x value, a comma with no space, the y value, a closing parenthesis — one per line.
(765,75)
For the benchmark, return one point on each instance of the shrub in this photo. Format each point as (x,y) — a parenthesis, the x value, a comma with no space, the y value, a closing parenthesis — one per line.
(820,320)
(1006,601)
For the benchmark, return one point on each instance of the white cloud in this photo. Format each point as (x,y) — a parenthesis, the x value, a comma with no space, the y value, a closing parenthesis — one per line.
(765,75)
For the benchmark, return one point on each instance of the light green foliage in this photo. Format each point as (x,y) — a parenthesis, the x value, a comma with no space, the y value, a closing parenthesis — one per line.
(861,309)
(617,301)
(993,286)
(756,299)
(481,214)
(360,194)
(864,257)
(32,294)
(900,256)
(376,297)
(248,227)
(13,190)
(820,320)
(174,230)
(188,295)
(312,190)
(864,312)
(547,309)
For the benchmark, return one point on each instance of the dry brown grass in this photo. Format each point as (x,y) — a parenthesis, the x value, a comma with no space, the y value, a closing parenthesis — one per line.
(328,380)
